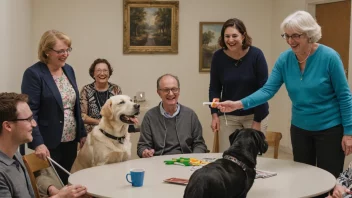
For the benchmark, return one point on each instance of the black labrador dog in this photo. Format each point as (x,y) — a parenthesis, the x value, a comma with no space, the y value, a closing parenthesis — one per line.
(233,175)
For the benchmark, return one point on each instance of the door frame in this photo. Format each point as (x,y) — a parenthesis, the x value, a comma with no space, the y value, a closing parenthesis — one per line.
(310,4)
(310,7)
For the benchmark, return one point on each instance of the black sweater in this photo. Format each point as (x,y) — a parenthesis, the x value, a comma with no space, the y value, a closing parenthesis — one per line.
(237,79)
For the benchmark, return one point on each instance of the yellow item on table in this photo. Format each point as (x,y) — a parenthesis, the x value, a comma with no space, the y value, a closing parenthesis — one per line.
(186,161)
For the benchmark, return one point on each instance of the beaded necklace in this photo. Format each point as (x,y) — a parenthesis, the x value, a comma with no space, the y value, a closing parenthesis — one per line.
(300,62)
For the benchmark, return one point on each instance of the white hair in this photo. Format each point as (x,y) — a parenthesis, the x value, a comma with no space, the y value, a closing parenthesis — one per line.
(303,22)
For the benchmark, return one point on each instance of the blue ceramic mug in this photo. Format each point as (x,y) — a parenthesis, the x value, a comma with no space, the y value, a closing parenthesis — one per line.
(137,177)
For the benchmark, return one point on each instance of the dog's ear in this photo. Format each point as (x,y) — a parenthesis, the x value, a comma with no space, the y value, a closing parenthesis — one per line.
(106,110)
(233,136)
(260,139)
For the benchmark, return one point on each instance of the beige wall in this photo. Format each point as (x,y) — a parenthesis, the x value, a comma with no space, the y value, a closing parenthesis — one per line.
(95,27)
(15,39)
(96,30)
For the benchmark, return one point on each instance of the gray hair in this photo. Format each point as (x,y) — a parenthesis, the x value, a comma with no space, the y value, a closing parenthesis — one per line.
(158,81)
(303,22)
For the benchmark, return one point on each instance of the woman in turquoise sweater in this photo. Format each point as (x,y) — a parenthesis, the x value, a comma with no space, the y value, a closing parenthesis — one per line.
(321,125)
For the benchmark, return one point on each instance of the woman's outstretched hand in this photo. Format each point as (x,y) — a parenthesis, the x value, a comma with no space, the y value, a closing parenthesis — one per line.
(229,106)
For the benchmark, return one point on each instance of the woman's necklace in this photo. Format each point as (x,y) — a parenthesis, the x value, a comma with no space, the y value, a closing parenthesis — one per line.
(57,73)
(238,58)
(300,62)
(101,98)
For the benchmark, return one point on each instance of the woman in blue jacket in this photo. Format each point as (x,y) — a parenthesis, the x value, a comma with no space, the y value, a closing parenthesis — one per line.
(54,101)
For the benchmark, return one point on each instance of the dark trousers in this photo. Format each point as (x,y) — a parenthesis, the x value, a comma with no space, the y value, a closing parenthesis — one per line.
(65,154)
(319,148)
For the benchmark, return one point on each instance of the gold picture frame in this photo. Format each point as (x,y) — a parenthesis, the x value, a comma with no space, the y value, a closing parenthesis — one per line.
(209,33)
(150,26)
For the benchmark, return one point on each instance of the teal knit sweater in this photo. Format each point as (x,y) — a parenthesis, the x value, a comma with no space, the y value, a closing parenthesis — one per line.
(320,94)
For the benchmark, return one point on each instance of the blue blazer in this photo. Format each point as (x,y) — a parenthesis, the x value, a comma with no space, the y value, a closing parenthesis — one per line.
(46,104)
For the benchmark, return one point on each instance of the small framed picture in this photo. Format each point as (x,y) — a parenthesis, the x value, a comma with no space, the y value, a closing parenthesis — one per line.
(209,33)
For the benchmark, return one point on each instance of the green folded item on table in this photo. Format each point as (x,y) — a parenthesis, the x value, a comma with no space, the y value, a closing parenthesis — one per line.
(169,162)
(180,161)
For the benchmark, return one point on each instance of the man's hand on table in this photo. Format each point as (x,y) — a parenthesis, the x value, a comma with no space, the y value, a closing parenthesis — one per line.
(148,153)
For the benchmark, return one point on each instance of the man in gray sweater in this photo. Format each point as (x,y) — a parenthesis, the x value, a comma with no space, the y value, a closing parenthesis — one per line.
(170,128)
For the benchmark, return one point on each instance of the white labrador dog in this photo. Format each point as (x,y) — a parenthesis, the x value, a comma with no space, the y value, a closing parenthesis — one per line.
(109,142)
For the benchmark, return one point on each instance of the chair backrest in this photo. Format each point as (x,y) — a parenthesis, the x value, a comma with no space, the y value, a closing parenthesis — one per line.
(34,164)
(216,142)
(273,139)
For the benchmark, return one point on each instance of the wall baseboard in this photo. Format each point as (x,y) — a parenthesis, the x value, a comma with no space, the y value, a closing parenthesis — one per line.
(285,149)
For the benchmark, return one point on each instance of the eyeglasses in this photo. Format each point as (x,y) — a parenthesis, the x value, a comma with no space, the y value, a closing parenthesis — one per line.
(61,52)
(293,36)
(174,90)
(29,119)
(102,71)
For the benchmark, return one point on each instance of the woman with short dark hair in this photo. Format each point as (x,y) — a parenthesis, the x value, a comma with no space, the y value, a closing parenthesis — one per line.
(237,70)
(94,95)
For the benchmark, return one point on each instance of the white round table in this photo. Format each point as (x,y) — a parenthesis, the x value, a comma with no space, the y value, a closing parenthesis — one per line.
(292,180)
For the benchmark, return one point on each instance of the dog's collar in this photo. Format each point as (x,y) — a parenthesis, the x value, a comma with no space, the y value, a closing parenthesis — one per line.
(120,139)
(243,166)
(236,161)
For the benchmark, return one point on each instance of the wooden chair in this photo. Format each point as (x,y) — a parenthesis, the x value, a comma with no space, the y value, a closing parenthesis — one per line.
(33,164)
(216,142)
(273,139)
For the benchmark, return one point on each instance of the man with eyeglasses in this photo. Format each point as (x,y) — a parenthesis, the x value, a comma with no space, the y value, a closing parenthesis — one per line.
(170,128)
(17,124)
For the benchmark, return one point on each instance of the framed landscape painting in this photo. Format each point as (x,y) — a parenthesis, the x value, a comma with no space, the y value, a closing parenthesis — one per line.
(209,33)
(150,26)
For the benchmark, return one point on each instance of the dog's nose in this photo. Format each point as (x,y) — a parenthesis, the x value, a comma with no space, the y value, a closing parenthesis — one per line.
(136,106)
